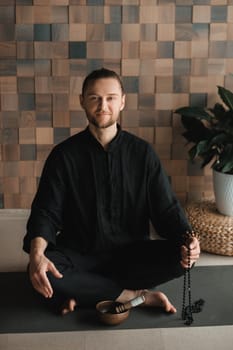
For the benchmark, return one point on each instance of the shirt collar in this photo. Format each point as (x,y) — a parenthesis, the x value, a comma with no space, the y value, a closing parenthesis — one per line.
(112,145)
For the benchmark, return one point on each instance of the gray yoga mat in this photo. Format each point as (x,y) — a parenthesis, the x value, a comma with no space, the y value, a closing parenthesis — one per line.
(22,312)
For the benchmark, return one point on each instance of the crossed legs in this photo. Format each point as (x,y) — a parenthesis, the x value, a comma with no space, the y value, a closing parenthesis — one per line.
(120,275)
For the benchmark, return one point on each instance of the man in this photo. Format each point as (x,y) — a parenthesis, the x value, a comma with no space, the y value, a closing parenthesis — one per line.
(88,232)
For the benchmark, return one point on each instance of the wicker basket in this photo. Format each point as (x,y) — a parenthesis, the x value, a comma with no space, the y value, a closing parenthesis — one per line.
(215,230)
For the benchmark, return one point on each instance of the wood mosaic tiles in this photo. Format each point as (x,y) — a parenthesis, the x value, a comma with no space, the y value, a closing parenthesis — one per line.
(169,53)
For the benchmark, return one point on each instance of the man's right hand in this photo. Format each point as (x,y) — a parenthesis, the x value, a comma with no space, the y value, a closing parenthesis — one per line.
(38,268)
(39,265)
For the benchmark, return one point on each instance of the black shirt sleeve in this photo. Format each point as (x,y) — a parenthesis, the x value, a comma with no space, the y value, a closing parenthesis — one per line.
(166,213)
(46,212)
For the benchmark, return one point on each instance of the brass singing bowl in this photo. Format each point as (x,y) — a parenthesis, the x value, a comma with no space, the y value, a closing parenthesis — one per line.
(105,315)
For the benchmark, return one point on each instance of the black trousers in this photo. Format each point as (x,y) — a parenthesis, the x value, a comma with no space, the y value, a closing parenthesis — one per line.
(92,278)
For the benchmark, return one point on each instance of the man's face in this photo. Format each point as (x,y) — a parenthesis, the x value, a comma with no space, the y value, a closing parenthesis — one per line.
(102,101)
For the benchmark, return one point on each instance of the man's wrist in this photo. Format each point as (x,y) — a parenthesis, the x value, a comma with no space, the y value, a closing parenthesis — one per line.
(38,246)
(36,252)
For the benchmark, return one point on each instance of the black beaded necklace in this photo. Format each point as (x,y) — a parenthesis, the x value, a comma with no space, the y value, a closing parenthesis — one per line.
(187,311)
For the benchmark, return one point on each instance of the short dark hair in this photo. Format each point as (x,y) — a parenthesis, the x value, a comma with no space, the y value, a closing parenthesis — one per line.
(100,74)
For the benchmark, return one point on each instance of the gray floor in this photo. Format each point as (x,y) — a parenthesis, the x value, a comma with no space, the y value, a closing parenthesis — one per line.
(198,338)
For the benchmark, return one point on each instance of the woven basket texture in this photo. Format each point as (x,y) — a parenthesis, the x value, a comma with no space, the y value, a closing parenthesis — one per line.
(214,229)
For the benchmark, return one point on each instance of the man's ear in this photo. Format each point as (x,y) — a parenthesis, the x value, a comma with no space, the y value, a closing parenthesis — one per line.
(123,103)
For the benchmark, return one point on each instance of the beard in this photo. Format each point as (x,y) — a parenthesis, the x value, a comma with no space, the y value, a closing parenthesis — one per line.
(101,124)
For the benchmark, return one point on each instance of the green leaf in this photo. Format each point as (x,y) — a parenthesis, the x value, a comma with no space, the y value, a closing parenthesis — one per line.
(202,147)
(196,130)
(228,167)
(219,139)
(193,152)
(218,110)
(226,96)
(208,157)
(225,162)
(202,150)
(194,112)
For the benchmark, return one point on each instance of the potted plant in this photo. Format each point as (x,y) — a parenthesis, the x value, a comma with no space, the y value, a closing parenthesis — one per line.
(210,130)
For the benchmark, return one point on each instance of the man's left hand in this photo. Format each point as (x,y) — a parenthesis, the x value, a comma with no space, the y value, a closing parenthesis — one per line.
(194,253)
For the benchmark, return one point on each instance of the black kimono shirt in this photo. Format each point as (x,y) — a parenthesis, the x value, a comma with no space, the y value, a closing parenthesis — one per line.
(91,200)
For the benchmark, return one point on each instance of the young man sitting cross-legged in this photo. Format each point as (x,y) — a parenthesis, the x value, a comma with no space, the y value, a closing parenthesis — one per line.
(88,231)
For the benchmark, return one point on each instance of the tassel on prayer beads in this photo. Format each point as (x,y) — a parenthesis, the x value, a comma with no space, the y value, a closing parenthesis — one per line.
(187,311)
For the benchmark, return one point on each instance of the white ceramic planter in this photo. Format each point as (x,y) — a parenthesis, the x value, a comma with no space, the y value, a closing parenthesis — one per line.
(223,191)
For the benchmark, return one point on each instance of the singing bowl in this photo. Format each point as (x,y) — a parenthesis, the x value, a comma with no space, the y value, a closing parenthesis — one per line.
(106,316)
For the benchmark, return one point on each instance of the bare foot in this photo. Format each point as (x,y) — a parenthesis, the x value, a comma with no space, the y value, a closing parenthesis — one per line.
(158,299)
(68,306)
(153,299)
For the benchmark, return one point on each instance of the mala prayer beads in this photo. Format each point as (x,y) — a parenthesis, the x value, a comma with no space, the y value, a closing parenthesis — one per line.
(187,311)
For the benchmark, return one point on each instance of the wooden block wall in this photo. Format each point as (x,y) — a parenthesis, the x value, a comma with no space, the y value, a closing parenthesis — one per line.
(169,53)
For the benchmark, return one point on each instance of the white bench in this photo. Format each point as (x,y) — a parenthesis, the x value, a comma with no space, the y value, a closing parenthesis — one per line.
(12,230)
